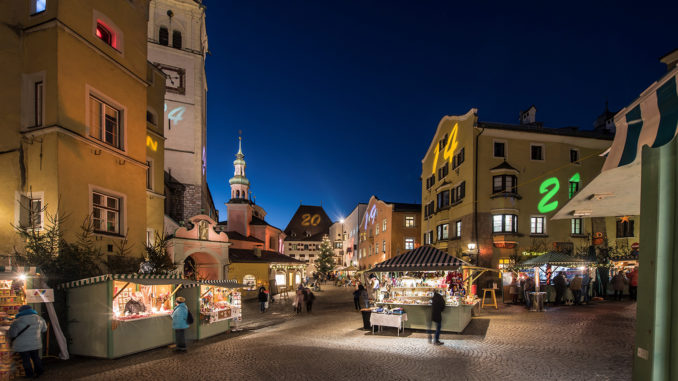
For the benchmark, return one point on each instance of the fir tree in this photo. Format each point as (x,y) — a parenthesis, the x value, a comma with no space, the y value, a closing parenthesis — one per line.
(325,261)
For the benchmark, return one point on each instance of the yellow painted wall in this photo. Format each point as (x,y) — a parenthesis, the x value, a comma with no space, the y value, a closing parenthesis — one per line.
(237,271)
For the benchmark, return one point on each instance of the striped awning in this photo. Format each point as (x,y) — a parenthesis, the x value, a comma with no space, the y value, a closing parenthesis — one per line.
(225,283)
(132,278)
(11,272)
(554,258)
(423,258)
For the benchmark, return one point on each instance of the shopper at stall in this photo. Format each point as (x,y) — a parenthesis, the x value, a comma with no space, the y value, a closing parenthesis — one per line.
(633,283)
(363,297)
(437,307)
(560,284)
(26,330)
(180,323)
(308,299)
(529,287)
(263,298)
(618,283)
(356,298)
(575,287)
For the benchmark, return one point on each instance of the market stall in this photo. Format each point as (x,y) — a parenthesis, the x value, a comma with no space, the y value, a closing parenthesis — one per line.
(409,280)
(547,266)
(219,303)
(115,315)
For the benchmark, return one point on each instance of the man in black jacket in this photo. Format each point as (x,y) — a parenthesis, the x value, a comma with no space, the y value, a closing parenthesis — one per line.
(560,284)
(437,307)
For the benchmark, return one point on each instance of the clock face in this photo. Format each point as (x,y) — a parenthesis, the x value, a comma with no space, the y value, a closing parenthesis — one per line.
(176,78)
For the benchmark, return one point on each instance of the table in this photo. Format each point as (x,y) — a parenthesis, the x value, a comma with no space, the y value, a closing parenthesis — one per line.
(393,320)
(494,297)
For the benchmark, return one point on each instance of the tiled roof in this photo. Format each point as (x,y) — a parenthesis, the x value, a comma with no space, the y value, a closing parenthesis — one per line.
(235,236)
(304,224)
(402,207)
(267,256)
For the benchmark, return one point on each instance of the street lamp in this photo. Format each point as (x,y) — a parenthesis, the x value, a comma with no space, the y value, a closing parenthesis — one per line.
(472,253)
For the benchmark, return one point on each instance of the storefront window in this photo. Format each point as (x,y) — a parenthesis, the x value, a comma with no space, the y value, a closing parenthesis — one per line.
(250,282)
(219,303)
(138,301)
(280,279)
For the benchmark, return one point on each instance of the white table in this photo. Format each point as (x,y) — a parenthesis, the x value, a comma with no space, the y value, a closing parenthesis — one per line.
(397,321)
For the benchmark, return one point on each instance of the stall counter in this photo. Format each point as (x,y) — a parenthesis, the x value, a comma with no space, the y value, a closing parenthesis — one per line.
(455,318)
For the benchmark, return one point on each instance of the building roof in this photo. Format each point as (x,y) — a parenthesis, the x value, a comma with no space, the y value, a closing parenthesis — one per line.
(267,256)
(308,221)
(235,236)
(423,258)
(403,207)
(535,128)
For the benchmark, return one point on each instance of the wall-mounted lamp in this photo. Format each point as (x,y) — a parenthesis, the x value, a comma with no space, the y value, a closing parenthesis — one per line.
(471,246)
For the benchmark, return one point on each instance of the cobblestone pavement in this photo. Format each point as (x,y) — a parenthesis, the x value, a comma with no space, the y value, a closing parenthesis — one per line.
(593,342)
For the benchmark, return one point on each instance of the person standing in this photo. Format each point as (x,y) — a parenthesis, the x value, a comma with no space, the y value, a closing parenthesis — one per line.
(26,331)
(575,287)
(356,298)
(309,298)
(529,288)
(633,283)
(299,299)
(263,298)
(618,283)
(437,307)
(364,302)
(513,289)
(560,284)
(180,323)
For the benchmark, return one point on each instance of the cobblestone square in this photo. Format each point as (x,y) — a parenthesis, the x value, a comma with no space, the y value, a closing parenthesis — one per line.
(593,342)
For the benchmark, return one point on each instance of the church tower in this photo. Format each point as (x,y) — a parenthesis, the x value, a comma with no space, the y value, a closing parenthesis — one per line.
(240,185)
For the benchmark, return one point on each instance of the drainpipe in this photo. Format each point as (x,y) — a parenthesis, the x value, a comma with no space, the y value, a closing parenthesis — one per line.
(474,235)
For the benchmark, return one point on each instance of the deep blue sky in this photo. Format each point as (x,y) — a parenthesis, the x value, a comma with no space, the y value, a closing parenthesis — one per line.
(339,100)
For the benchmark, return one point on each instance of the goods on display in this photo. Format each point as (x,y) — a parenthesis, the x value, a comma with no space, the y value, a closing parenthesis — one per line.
(219,303)
(12,296)
(418,288)
(137,301)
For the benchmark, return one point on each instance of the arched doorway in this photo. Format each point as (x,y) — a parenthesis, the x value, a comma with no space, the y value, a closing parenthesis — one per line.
(201,265)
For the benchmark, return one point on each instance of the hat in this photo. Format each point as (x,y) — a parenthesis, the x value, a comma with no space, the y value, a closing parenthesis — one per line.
(25,307)
(180,299)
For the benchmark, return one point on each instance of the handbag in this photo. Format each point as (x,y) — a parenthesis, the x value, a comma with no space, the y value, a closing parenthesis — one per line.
(11,340)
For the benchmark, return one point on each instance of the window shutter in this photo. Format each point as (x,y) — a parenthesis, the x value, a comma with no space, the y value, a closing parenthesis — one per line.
(24,211)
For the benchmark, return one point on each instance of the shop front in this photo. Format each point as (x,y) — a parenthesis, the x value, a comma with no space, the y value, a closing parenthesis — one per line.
(116,315)
(407,282)
(254,268)
(219,303)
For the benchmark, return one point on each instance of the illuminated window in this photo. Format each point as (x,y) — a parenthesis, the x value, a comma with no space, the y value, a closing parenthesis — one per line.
(176,39)
(625,227)
(537,152)
(383,246)
(409,243)
(38,6)
(383,225)
(457,229)
(537,225)
(105,122)
(504,184)
(105,34)
(574,155)
(504,263)
(376,229)
(163,36)
(443,232)
(575,226)
(409,221)
(504,223)
(106,211)
(500,149)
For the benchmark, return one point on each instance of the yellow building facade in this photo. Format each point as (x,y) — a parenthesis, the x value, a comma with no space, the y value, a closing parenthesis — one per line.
(77,138)
(489,190)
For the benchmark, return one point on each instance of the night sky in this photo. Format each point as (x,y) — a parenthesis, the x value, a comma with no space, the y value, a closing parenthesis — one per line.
(339,100)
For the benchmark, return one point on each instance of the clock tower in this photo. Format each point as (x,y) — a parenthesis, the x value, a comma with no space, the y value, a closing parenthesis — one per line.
(177,45)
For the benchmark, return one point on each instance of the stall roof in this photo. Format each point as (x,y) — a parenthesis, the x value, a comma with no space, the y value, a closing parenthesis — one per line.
(146,279)
(553,258)
(423,258)
(226,283)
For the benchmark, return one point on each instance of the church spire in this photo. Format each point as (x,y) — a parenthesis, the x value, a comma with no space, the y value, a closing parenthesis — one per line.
(240,185)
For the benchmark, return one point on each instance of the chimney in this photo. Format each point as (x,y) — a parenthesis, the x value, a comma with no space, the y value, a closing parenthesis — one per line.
(670,60)
(257,252)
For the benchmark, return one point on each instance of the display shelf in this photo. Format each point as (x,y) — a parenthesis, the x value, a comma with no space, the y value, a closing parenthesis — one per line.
(415,287)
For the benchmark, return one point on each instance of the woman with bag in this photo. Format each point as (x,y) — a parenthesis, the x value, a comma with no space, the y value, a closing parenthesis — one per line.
(25,333)
(181,318)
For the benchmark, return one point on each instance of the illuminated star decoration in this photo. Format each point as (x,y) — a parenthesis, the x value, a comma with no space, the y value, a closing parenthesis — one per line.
(625,219)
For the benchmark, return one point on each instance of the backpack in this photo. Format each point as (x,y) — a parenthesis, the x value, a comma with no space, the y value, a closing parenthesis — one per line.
(189,318)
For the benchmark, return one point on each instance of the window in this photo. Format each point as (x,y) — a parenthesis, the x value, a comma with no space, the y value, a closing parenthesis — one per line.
(149,174)
(105,34)
(457,229)
(430,181)
(37,103)
(573,188)
(106,213)
(383,246)
(443,232)
(38,6)
(383,225)
(176,39)
(504,184)
(31,212)
(537,225)
(500,149)
(504,223)
(458,159)
(458,193)
(624,227)
(575,226)
(105,122)
(429,209)
(443,171)
(536,152)
(504,263)
(150,118)
(442,143)
(574,155)
(376,229)
(409,243)
(443,199)
(428,237)
(409,221)
(376,248)
(163,36)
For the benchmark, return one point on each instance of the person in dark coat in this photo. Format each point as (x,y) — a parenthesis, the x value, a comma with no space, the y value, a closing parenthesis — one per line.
(437,307)
(309,298)
(263,298)
(560,284)
(529,288)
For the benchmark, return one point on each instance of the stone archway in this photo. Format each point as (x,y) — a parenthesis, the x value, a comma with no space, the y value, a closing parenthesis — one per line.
(201,265)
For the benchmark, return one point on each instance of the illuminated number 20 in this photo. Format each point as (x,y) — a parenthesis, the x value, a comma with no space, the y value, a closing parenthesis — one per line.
(307,220)
(544,205)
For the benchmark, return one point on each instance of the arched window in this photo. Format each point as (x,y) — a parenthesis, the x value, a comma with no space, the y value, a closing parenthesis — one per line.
(237,194)
(163,36)
(176,39)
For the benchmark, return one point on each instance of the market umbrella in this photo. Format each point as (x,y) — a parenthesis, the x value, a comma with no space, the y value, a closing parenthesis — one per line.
(554,258)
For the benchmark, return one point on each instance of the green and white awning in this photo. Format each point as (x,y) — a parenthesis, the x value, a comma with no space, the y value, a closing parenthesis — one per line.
(150,279)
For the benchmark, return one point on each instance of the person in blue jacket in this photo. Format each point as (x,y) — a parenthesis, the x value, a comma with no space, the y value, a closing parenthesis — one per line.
(26,330)
(179,323)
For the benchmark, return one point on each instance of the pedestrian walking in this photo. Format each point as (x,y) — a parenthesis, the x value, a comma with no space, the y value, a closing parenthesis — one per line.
(309,300)
(298,300)
(513,289)
(180,321)
(633,283)
(529,287)
(356,298)
(575,287)
(437,307)
(25,331)
(618,283)
(560,284)
(263,298)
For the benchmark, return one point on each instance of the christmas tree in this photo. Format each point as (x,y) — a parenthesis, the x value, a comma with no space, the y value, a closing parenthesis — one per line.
(325,261)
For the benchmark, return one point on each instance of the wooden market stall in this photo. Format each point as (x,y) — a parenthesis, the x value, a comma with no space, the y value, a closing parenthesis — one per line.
(548,265)
(115,315)
(219,303)
(409,280)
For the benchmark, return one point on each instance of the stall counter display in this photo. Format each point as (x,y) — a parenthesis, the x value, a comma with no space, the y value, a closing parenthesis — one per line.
(136,301)
(219,303)
(12,296)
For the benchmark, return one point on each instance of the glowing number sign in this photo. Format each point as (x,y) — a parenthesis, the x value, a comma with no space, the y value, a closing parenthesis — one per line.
(308,220)
(153,144)
(370,216)
(544,205)
(448,151)
(176,114)
(575,178)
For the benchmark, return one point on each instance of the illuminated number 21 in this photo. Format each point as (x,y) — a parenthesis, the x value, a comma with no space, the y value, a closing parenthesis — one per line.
(544,205)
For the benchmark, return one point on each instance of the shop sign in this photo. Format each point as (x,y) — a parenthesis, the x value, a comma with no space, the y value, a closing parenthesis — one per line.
(44,295)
